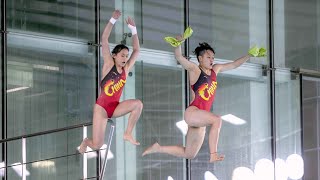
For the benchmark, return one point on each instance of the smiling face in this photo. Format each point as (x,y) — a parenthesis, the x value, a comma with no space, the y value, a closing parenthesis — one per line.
(121,58)
(206,59)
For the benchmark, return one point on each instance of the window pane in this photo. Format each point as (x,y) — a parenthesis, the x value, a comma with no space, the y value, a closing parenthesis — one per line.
(14,152)
(244,94)
(59,168)
(154,20)
(72,19)
(51,84)
(158,20)
(157,81)
(288,122)
(296,43)
(160,88)
(311,114)
(51,155)
(14,171)
(230,26)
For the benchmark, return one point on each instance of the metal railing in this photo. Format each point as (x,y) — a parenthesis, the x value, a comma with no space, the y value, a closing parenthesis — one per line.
(102,171)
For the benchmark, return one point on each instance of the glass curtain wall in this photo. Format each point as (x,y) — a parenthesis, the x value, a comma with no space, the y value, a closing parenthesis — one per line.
(296,44)
(288,163)
(51,84)
(243,92)
(158,81)
(311,119)
(247,144)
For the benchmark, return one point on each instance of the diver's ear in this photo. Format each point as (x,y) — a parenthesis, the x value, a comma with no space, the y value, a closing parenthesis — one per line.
(200,58)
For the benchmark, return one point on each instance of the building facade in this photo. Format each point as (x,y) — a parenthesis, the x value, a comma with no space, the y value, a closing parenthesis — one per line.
(51,67)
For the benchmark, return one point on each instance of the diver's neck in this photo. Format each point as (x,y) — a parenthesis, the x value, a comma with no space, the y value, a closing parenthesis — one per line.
(205,70)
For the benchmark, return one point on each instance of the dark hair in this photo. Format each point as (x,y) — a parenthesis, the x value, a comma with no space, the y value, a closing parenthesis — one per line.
(201,49)
(119,48)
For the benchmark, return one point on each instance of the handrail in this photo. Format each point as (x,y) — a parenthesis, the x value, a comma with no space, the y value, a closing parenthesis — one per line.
(50,131)
(59,130)
(101,174)
(47,132)
(307,72)
(52,158)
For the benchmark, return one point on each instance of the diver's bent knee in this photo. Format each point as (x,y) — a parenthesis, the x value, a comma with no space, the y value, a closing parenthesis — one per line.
(139,104)
(190,156)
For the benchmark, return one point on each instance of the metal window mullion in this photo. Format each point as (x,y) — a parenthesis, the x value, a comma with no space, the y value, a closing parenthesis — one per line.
(4,83)
(272,84)
(301,111)
(98,62)
(186,78)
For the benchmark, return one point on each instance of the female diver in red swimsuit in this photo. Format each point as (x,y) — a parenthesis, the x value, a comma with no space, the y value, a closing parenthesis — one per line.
(115,69)
(203,80)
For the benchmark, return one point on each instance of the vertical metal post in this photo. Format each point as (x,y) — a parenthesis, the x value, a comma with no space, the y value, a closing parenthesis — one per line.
(24,159)
(107,150)
(272,85)
(4,83)
(98,61)
(301,116)
(186,87)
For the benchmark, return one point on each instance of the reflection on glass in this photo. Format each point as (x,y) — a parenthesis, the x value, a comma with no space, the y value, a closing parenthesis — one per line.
(209,176)
(311,114)
(2,169)
(288,123)
(243,173)
(107,7)
(231,34)
(295,167)
(281,169)
(14,149)
(160,88)
(51,84)
(296,43)
(17,171)
(264,169)
(61,19)
(50,155)
(233,119)
(183,127)
(61,168)
(158,19)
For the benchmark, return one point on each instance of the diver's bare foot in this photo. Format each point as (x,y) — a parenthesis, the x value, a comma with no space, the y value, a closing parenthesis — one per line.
(128,137)
(152,149)
(83,146)
(216,157)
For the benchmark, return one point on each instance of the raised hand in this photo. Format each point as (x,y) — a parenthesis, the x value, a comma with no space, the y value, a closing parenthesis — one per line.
(179,38)
(116,14)
(257,52)
(254,51)
(130,21)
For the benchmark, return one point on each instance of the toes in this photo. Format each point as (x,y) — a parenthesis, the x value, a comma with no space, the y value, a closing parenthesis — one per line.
(216,157)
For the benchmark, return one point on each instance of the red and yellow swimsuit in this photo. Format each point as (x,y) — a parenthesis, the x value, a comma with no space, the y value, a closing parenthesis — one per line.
(204,90)
(111,90)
